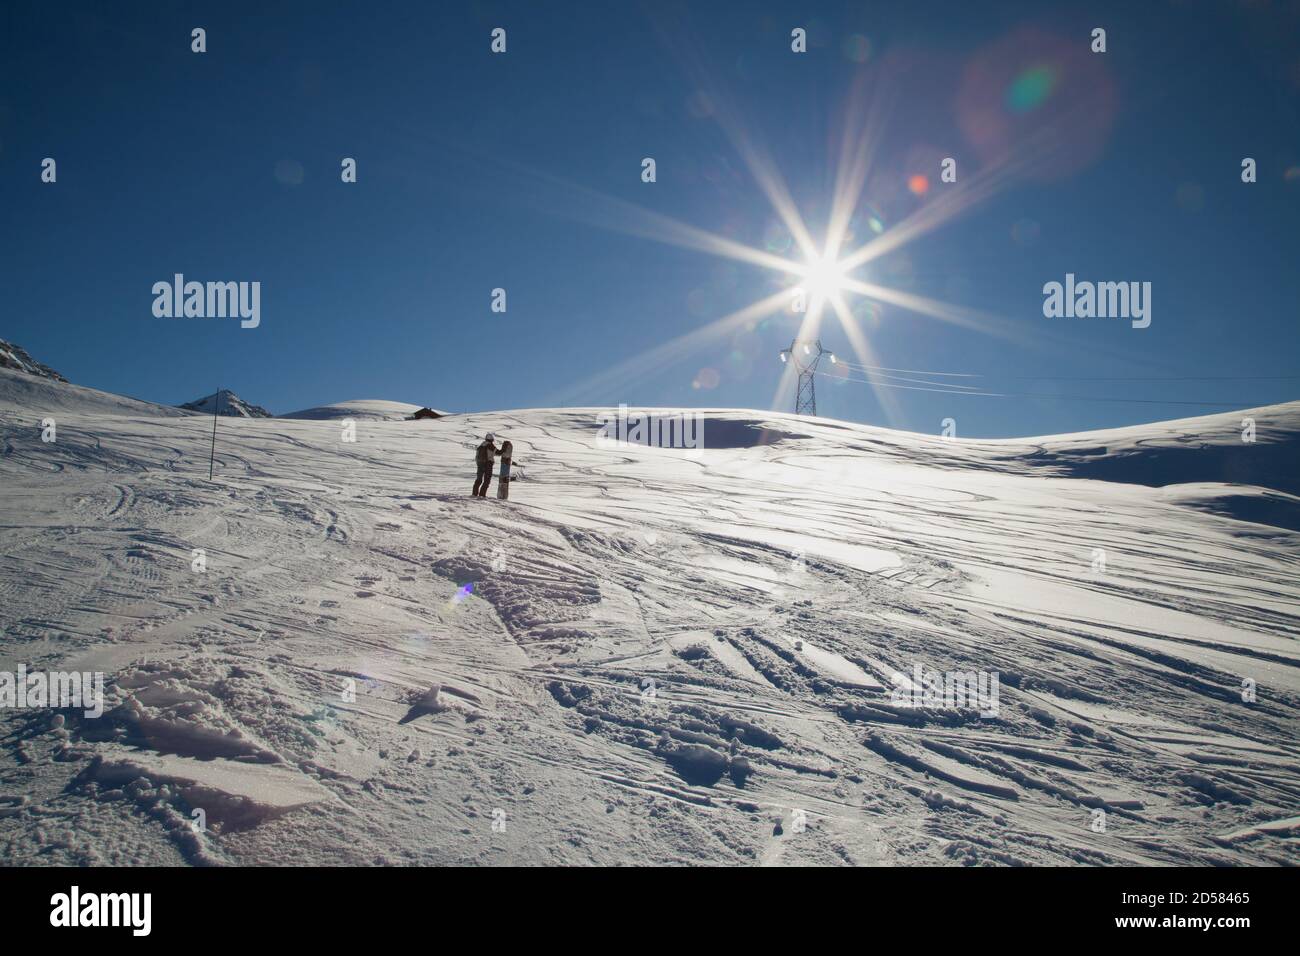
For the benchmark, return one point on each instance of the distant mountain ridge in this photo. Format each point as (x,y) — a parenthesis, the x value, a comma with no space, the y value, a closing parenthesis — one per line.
(226,403)
(16,358)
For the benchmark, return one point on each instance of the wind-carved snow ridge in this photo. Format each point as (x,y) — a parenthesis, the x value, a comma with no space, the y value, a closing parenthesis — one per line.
(809,642)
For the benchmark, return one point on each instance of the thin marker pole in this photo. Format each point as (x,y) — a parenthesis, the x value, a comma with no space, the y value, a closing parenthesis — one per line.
(213,453)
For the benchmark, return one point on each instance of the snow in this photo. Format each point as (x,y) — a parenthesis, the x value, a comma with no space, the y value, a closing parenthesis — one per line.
(226,402)
(16,358)
(645,655)
(231,793)
(41,398)
(360,410)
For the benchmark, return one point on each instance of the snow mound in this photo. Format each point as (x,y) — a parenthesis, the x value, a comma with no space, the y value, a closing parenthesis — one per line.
(362,409)
(1256,446)
(234,794)
(1246,503)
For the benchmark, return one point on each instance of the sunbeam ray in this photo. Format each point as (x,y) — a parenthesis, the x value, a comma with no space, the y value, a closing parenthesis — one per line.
(862,349)
(729,118)
(858,146)
(969,318)
(636,369)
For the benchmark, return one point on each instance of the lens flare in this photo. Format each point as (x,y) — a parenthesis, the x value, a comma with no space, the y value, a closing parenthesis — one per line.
(1030,89)
(706,378)
(1025,232)
(462,592)
(1039,99)
(857,48)
(777,239)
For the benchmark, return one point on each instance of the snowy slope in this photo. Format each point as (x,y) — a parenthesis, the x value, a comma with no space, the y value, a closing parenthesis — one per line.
(29,398)
(643,656)
(1209,448)
(361,410)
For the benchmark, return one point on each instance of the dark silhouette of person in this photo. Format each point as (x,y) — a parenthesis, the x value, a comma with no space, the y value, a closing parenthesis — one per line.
(484,456)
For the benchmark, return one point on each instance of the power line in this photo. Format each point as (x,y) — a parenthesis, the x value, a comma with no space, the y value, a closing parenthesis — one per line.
(950,390)
(1077,378)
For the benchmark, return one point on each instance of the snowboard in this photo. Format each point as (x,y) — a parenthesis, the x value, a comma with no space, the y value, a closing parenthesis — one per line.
(503,484)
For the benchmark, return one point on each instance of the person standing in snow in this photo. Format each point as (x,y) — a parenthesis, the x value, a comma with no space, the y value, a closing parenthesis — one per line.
(484,457)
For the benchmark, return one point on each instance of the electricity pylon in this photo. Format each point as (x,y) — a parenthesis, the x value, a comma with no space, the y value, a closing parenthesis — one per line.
(806,356)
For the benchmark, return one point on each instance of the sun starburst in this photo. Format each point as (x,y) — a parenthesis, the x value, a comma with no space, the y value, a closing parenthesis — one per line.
(823,277)
(817,276)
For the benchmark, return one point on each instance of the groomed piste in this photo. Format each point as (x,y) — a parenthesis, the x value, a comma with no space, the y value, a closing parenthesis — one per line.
(645,656)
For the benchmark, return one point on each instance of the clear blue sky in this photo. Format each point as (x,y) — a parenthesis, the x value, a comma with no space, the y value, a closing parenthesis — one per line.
(478,171)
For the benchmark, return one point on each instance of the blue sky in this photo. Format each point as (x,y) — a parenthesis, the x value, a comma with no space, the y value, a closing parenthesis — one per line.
(479,171)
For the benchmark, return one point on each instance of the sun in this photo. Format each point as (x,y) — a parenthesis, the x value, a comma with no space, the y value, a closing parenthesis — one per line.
(824,278)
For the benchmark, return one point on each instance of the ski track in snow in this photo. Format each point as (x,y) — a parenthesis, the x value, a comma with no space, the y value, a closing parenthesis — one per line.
(662,659)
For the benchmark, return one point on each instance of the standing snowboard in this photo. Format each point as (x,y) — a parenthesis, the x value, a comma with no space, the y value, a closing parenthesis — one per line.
(503,486)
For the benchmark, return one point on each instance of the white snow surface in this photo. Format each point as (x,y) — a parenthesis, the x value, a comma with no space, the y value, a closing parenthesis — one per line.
(644,656)
(371,409)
